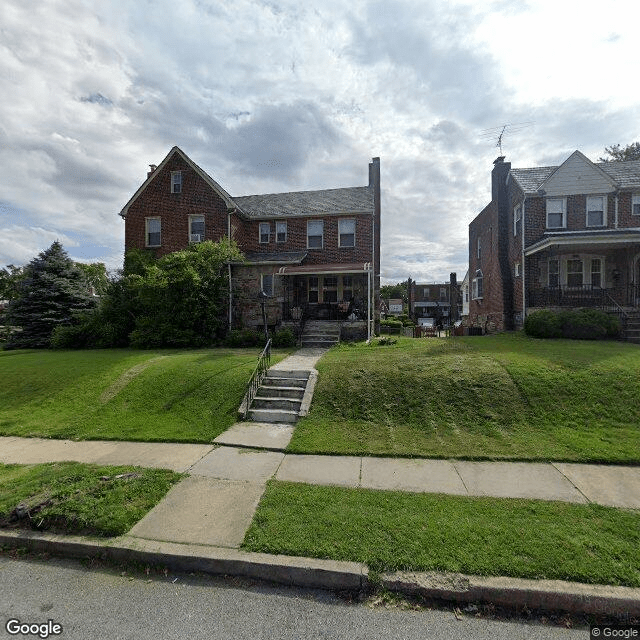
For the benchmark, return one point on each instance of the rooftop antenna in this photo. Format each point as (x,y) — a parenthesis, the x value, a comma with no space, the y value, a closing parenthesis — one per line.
(498,133)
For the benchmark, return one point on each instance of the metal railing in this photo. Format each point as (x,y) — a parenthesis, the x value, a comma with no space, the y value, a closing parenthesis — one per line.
(257,376)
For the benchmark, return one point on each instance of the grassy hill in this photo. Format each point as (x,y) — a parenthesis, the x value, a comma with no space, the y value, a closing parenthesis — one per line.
(122,394)
(499,397)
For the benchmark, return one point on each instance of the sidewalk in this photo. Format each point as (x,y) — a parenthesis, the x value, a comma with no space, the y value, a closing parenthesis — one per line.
(202,521)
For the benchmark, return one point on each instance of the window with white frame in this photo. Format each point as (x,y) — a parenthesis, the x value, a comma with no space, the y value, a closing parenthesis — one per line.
(312,289)
(596,272)
(267,284)
(443,293)
(265,232)
(574,272)
(152,231)
(556,213)
(517,220)
(281,231)
(315,234)
(176,182)
(330,289)
(596,211)
(478,249)
(425,293)
(196,228)
(635,204)
(554,273)
(516,270)
(346,233)
(477,286)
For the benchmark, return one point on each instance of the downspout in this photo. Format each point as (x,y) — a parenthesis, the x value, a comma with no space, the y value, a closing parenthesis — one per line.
(616,211)
(369,271)
(229,212)
(524,288)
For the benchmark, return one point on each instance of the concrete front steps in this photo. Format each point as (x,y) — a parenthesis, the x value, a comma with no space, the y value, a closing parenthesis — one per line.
(632,328)
(280,396)
(319,334)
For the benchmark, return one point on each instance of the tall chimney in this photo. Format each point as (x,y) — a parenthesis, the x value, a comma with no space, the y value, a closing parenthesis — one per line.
(152,168)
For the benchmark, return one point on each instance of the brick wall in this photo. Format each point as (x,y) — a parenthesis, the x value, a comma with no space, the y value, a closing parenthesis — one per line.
(246,234)
(196,198)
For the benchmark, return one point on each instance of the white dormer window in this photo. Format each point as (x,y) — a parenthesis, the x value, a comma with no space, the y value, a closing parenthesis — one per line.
(176,182)
(596,211)
(556,213)
(635,204)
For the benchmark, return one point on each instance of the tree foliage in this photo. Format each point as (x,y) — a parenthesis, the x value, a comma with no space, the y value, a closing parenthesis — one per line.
(395,291)
(177,300)
(96,275)
(50,291)
(616,153)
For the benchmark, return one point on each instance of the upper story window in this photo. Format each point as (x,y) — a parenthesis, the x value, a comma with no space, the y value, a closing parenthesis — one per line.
(517,220)
(516,270)
(635,204)
(265,232)
(281,231)
(315,234)
(478,249)
(152,232)
(196,228)
(425,293)
(176,182)
(346,233)
(556,213)
(596,211)
(443,293)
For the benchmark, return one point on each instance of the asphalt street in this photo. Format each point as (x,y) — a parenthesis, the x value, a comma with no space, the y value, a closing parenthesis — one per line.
(105,602)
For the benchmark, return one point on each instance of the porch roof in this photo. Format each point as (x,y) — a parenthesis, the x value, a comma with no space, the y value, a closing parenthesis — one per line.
(280,257)
(320,269)
(601,239)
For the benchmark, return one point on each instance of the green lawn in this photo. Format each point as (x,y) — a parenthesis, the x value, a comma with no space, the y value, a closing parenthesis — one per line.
(499,397)
(70,497)
(421,532)
(122,394)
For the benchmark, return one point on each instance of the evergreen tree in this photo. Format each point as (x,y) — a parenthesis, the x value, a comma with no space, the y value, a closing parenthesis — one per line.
(51,291)
(616,153)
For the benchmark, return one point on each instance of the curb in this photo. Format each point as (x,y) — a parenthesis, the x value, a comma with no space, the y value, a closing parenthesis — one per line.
(543,595)
(288,570)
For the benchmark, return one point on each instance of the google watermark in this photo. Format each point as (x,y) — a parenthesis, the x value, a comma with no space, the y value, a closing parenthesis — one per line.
(618,631)
(46,629)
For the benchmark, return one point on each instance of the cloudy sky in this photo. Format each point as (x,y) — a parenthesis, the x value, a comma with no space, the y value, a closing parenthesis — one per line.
(285,95)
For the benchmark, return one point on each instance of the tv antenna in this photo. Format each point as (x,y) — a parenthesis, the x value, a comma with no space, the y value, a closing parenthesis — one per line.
(498,133)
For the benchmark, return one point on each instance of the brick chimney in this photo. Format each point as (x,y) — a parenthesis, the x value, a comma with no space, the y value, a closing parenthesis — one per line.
(152,168)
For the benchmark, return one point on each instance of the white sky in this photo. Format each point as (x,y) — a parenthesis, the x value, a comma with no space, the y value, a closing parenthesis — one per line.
(281,95)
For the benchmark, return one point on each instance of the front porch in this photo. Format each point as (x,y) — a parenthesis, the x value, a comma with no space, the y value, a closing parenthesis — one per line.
(625,297)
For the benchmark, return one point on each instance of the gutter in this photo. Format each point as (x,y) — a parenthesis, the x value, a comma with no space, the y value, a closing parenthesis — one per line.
(524,288)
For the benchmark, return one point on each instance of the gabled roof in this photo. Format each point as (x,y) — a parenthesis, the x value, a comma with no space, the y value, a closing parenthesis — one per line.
(308,203)
(624,175)
(347,200)
(203,174)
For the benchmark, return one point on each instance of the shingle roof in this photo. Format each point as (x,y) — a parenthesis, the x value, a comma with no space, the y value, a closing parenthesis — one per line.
(302,203)
(625,174)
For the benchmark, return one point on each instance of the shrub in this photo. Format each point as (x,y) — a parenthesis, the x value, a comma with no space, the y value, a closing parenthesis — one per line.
(586,324)
(391,323)
(283,338)
(244,338)
(543,324)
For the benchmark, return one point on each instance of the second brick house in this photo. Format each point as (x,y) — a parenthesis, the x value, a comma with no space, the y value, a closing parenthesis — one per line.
(313,253)
(554,237)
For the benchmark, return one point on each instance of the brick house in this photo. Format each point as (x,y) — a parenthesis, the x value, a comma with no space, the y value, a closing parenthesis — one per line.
(315,254)
(556,237)
(439,300)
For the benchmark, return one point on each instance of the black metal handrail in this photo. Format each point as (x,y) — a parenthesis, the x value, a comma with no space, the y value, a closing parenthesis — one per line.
(257,376)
